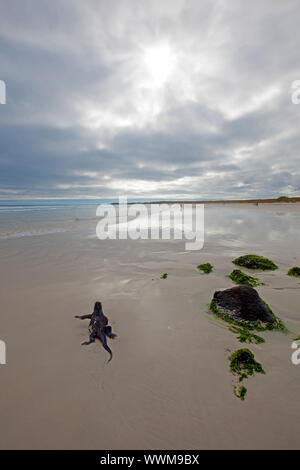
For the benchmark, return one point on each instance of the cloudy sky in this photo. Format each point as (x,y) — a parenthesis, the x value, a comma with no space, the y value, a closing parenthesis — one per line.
(160,98)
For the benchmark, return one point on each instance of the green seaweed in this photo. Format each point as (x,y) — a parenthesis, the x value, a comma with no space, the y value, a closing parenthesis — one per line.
(244,329)
(295,271)
(240,392)
(242,361)
(255,262)
(278,324)
(244,335)
(164,276)
(241,278)
(206,268)
(244,365)
(256,325)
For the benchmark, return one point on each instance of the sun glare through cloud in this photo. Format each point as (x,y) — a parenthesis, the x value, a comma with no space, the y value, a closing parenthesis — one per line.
(160,64)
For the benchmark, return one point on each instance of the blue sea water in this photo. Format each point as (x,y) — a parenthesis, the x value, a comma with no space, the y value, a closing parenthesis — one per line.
(31,217)
(53,204)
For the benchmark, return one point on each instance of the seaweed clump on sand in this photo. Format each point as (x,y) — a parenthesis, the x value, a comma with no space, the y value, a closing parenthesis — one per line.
(206,268)
(240,392)
(255,262)
(295,271)
(244,365)
(164,276)
(246,336)
(239,277)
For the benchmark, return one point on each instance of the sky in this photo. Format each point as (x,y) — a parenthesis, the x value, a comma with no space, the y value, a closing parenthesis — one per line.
(164,99)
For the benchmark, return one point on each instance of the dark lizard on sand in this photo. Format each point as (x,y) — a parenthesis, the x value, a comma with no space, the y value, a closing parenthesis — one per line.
(98,327)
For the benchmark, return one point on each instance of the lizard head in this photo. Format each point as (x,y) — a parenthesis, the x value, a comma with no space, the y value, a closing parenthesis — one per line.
(98,307)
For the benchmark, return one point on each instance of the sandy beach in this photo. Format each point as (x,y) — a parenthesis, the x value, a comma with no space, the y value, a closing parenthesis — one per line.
(168,385)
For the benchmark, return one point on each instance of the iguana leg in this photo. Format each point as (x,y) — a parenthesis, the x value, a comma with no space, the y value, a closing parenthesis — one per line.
(85,343)
(92,339)
(108,331)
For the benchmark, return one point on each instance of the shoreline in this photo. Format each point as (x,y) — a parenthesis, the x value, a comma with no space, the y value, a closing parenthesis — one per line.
(283,200)
(225,201)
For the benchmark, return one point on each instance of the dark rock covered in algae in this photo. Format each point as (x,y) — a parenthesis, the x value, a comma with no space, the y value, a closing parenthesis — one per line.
(243,304)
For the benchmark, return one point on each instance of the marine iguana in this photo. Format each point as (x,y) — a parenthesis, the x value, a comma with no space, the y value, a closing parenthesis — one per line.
(98,327)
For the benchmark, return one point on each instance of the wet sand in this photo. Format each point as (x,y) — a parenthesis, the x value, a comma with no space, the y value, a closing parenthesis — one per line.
(168,385)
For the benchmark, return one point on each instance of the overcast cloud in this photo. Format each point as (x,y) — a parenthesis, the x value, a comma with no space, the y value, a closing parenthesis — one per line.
(166,98)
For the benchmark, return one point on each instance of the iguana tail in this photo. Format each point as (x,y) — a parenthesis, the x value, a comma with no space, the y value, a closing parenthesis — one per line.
(102,338)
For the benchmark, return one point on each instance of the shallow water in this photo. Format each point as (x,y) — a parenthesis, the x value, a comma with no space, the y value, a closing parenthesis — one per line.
(227,225)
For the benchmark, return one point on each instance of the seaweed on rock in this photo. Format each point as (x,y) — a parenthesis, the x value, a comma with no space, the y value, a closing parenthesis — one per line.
(295,271)
(255,262)
(243,364)
(241,278)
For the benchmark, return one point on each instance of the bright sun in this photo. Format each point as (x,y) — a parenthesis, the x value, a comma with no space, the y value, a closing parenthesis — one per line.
(160,63)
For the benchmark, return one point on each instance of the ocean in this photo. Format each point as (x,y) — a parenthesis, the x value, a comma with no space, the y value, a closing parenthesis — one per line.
(25,218)
(268,222)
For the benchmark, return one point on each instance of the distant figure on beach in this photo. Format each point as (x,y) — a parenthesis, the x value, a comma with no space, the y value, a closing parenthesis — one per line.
(98,327)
